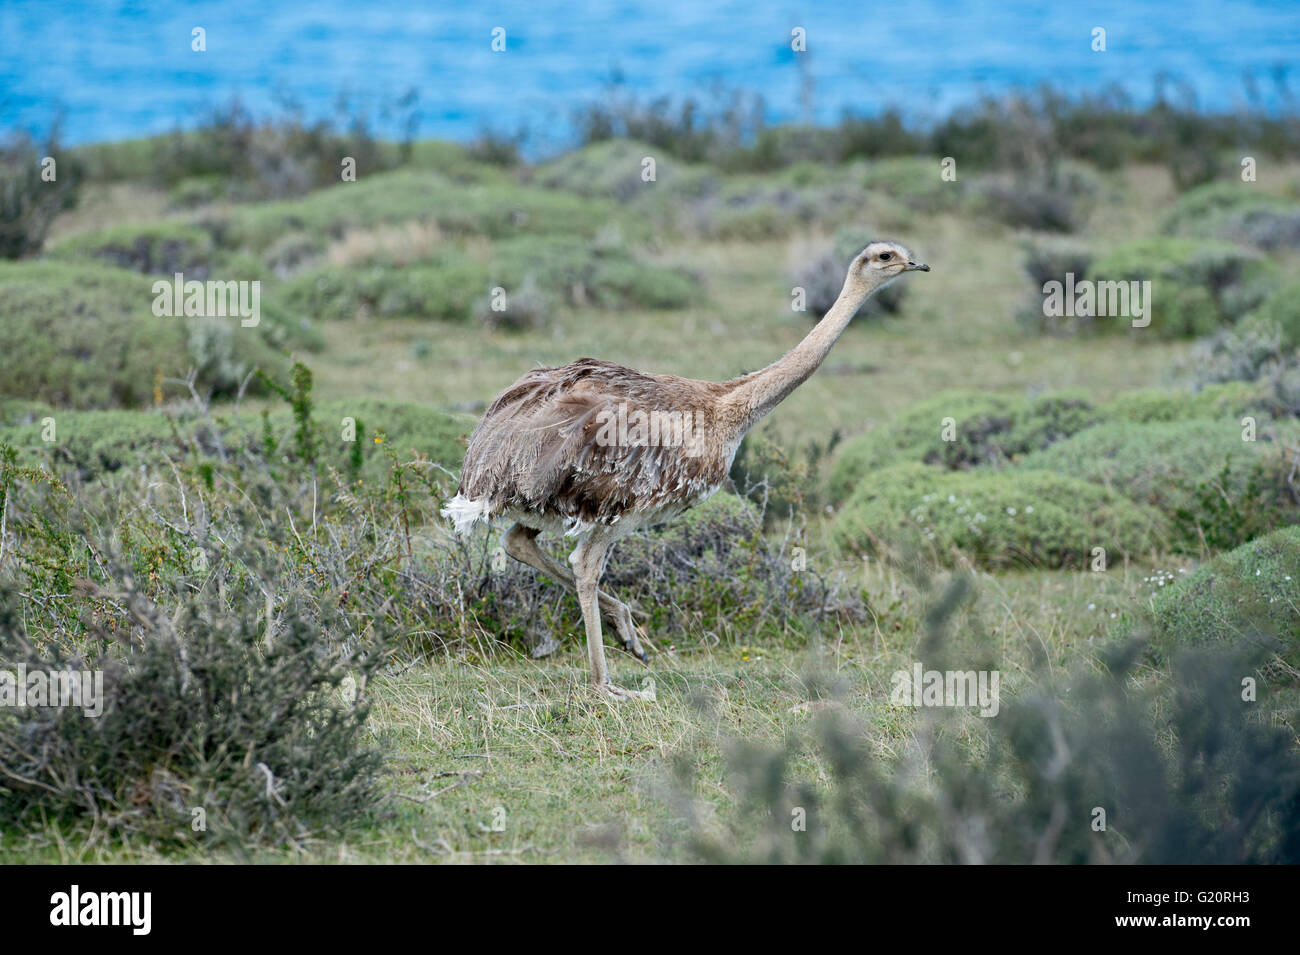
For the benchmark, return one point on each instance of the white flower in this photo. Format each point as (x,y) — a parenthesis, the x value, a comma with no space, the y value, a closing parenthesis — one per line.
(1011,511)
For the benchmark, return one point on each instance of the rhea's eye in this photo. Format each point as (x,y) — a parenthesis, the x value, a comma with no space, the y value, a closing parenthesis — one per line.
(885,256)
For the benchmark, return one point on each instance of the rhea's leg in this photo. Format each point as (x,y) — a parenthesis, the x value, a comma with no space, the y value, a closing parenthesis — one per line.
(588,564)
(521,543)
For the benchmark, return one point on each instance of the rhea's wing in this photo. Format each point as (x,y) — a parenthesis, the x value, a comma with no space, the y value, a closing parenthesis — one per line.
(551,444)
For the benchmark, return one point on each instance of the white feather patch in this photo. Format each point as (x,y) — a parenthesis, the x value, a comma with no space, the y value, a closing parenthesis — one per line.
(464,513)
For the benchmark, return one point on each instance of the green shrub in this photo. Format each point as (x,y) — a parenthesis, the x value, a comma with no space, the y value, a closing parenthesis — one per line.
(915,182)
(779,482)
(526,306)
(163,248)
(1282,308)
(455,161)
(988,429)
(408,429)
(494,209)
(1196,286)
(29,202)
(1051,258)
(1241,595)
(916,435)
(612,169)
(1253,355)
(1214,488)
(1236,212)
(453,287)
(1197,205)
(92,444)
(760,207)
(293,252)
(1190,774)
(602,272)
(202,715)
(624,283)
(445,291)
(1227,401)
(90,339)
(1033,203)
(713,569)
(996,519)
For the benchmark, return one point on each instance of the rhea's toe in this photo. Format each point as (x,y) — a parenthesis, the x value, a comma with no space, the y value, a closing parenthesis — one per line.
(613,691)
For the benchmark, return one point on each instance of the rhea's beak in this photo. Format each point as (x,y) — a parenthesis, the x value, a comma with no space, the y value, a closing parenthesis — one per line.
(916,267)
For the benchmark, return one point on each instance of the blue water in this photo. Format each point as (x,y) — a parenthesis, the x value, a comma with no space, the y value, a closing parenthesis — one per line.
(126,69)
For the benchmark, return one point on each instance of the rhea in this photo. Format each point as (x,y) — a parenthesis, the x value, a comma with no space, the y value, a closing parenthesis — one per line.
(594,451)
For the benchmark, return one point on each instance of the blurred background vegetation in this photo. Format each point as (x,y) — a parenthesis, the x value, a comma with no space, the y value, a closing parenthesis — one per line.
(201,509)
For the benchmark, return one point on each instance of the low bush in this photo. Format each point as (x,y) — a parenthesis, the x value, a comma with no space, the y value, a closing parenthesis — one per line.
(1236,212)
(1215,488)
(154,249)
(29,199)
(1038,203)
(713,571)
(1052,258)
(1282,309)
(67,315)
(613,169)
(1184,774)
(782,482)
(755,208)
(914,182)
(352,435)
(494,209)
(446,291)
(1196,286)
(603,272)
(1246,594)
(986,430)
(221,730)
(995,519)
(452,287)
(1223,402)
(528,306)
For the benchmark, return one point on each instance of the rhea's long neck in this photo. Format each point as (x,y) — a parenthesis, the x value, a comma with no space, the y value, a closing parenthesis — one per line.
(756,394)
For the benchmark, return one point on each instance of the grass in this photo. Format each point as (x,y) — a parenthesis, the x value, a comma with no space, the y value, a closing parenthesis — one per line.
(469,735)
(580,779)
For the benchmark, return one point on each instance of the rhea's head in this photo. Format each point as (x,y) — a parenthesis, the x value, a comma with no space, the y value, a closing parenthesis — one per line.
(880,263)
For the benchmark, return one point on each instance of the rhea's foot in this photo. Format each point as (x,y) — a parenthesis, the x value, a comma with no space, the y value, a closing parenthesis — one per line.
(615,692)
(629,634)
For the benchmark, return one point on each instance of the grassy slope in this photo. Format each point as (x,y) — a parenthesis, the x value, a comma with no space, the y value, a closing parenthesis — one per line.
(577,776)
(581,779)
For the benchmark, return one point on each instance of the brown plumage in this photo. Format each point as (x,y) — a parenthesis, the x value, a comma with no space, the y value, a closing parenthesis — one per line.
(538,447)
(594,450)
